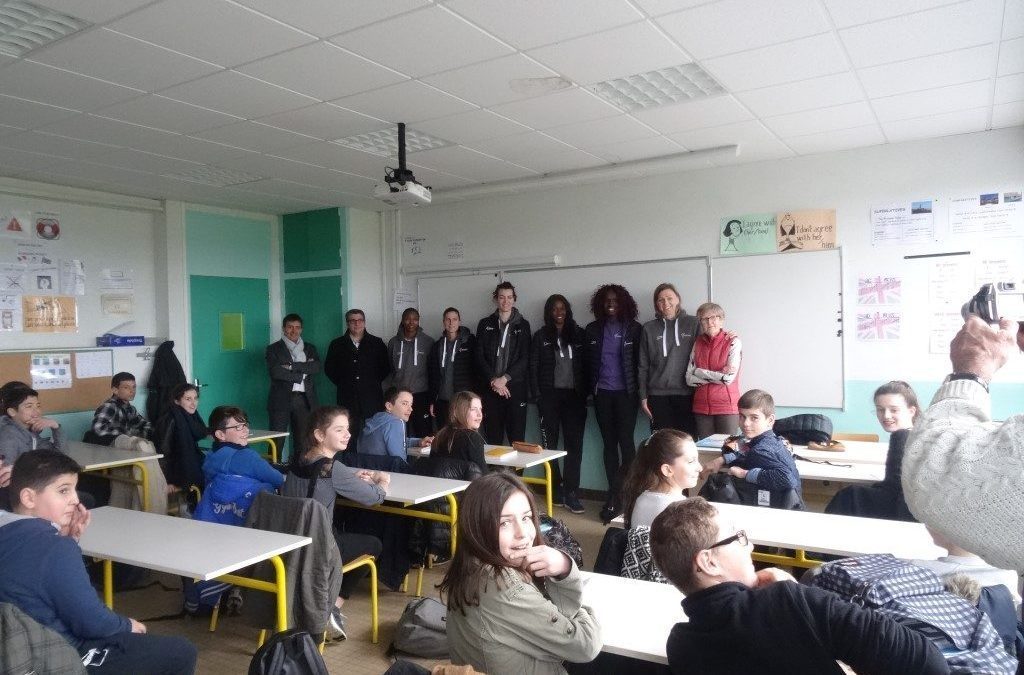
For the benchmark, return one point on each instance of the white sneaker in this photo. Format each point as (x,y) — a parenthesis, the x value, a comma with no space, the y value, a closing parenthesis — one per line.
(336,625)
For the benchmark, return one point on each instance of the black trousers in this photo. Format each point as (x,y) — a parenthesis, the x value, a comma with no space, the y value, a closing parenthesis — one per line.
(140,653)
(564,408)
(708,425)
(503,417)
(420,423)
(295,416)
(616,417)
(353,545)
(672,412)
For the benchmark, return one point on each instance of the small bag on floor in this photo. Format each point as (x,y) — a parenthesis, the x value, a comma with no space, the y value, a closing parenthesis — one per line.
(421,630)
(291,652)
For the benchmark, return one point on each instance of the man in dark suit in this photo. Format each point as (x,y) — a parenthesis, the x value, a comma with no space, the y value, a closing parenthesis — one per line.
(357,364)
(292,364)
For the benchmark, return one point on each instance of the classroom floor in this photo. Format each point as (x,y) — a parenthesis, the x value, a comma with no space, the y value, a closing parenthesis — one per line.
(230,648)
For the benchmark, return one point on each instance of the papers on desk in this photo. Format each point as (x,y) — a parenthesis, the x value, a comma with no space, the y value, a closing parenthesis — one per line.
(714,441)
(500,453)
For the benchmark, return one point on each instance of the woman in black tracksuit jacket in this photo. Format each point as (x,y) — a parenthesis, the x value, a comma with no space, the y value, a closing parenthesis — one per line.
(613,349)
(450,365)
(558,384)
(502,366)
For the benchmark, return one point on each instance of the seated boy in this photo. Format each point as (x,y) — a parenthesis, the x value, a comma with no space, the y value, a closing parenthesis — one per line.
(45,577)
(22,427)
(742,621)
(231,452)
(117,416)
(760,457)
(384,433)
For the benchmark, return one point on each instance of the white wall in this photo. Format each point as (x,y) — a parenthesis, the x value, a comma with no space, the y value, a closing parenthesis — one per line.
(366,259)
(678,215)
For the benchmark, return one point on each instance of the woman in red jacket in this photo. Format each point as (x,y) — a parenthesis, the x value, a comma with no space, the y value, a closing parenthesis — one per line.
(714,370)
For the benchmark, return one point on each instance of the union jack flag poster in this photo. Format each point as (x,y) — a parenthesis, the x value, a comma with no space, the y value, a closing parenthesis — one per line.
(874,326)
(879,290)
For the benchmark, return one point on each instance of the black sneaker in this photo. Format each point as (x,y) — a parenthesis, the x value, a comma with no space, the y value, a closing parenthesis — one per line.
(573,503)
(608,513)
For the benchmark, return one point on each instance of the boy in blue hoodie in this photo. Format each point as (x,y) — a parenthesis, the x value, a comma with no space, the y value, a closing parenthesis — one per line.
(384,433)
(760,457)
(231,452)
(45,577)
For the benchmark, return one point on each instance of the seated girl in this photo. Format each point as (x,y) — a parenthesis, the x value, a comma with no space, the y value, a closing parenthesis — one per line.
(457,450)
(665,465)
(316,474)
(896,406)
(231,452)
(178,432)
(514,604)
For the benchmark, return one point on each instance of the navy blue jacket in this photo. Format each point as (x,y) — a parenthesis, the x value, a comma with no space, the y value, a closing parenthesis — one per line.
(769,462)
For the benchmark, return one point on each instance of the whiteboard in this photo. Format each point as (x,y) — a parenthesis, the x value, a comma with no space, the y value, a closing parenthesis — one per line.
(471,295)
(787,310)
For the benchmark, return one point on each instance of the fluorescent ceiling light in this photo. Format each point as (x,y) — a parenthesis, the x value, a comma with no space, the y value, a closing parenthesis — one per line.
(25,27)
(655,88)
(385,142)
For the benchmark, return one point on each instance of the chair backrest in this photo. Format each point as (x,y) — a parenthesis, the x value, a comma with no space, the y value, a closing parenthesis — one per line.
(841,436)
(30,647)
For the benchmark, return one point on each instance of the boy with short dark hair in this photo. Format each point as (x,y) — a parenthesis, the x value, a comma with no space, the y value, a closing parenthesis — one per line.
(231,452)
(742,621)
(45,577)
(23,424)
(760,457)
(117,416)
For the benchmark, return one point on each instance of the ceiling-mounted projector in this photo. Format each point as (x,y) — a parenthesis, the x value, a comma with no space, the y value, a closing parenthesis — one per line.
(400,187)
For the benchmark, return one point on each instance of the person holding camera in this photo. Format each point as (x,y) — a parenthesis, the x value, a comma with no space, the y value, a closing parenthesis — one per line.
(962,473)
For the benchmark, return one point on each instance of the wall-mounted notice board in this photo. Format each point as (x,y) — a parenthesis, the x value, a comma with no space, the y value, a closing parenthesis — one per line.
(67,391)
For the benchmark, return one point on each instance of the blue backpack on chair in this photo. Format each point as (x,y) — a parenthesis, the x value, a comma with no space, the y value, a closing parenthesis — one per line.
(227,498)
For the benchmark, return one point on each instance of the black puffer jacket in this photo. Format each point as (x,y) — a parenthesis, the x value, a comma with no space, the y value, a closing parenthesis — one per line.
(630,353)
(543,353)
(463,378)
(488,338)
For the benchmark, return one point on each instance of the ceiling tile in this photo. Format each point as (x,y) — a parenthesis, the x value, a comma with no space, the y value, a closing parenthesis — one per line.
(470,126)
(787,62)
(846,13)
(324,18)
(521,146)
(38,82)
(628,151)
(217,31)
(29,114)
(323,71)
(423,42)
(1011,57)
(544,112)
(1009,88)
(123,60)
(739,25)
(638,48)
(254,136)
(94,11)
(467,163)
(438,180)
(817,92)
(928,72)
(659,7)
(404,102)
(933,101)
(705,112)
(539,22)
(195,149)
(1008,115)
(298,172)
(9,157)
(338,157)
(966,24)
(601,132)
(325,195)
(325,121)
(844,116)
(103,130)
(934,126)
(755,142)
(59,146)
(509,78)
(570,160)
(238,95)
(1013,19)
(8,130)
(831,141)
(144,161)
(167,114)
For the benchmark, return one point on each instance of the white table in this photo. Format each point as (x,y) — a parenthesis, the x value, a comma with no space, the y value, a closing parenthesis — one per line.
(189,548)
(635,616)
(825,533)
(857,452)
(92,457)
(268,437)
(854,474)
(520,461)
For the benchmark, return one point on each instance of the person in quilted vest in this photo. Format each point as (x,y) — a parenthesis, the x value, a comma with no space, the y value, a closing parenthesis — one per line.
(714,369)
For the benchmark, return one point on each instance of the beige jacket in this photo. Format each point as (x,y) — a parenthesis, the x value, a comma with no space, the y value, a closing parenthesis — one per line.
(515,630)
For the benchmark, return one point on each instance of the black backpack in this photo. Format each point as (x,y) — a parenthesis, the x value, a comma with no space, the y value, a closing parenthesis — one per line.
(803,429)
(292,652)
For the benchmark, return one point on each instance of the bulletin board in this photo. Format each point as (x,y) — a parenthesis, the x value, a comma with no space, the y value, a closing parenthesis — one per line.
(83,394)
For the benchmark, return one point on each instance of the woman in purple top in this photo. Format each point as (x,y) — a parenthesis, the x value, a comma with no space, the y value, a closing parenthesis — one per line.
(613,347)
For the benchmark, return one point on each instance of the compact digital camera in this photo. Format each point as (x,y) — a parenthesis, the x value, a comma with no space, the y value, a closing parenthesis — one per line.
(1001,300)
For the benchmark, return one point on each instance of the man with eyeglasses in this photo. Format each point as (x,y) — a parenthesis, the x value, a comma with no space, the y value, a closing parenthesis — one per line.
(357,363)
(746,621)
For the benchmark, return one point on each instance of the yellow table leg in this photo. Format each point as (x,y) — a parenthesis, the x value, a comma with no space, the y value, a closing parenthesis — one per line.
(548,486)
(273,449)
(280,588)
(141,466)
(453,520)
(108,583)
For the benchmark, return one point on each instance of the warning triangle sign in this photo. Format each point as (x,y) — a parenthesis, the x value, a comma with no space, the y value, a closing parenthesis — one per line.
(14,226)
